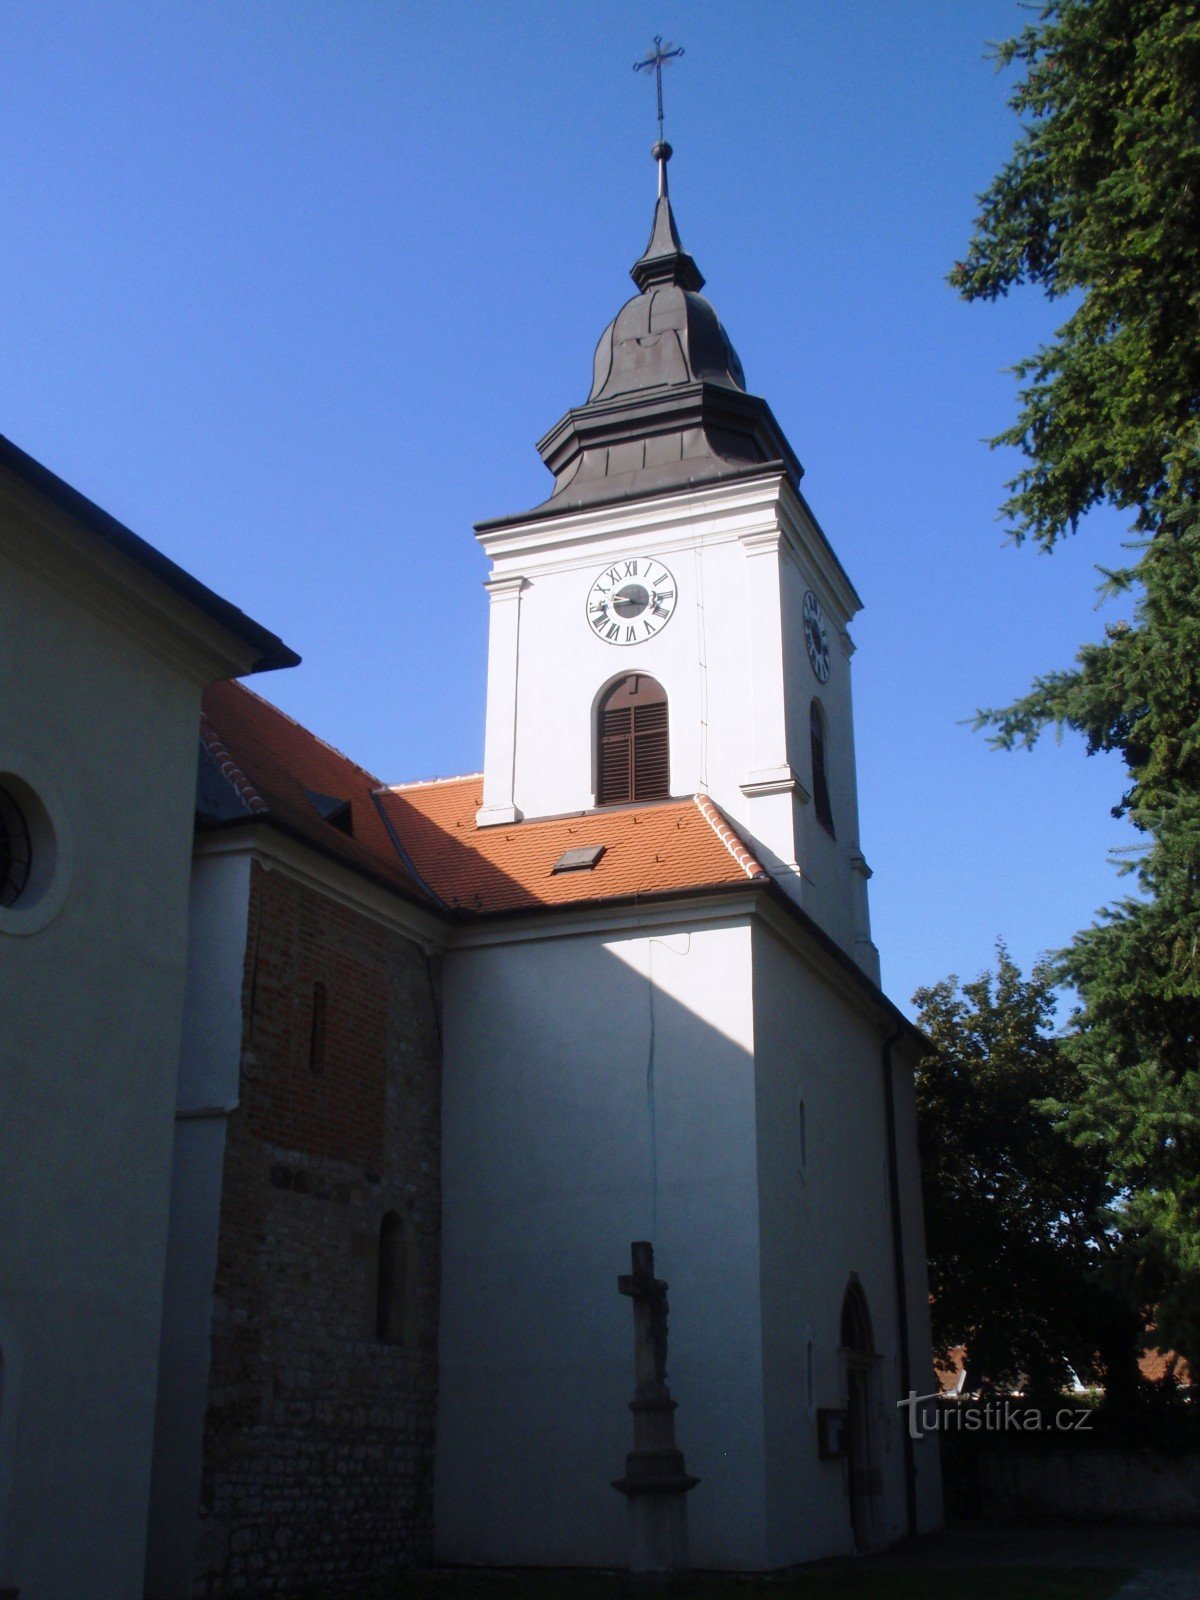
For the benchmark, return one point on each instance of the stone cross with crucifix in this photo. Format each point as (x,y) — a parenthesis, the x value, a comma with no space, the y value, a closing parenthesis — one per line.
(656,1481)
(649,1296)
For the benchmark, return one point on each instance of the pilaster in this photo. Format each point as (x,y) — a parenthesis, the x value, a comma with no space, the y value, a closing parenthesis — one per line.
(500,742)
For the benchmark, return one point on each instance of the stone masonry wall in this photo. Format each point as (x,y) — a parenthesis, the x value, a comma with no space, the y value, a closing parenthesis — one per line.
(319,1434)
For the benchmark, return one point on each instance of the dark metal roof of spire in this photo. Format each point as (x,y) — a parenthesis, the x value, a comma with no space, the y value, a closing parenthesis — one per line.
(668,405)
(664,260)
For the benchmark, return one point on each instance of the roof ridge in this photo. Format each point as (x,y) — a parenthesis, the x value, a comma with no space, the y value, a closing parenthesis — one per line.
(316,737)
(728,837)
(229,769)
(427,783)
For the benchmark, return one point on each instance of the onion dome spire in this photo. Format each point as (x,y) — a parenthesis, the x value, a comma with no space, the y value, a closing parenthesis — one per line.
(664,260)
(668,406)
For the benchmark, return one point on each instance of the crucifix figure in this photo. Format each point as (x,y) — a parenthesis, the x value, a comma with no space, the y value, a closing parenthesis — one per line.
(649,1296)
(661,56)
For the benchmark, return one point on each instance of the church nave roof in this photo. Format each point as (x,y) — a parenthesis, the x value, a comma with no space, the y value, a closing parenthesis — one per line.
(258,765)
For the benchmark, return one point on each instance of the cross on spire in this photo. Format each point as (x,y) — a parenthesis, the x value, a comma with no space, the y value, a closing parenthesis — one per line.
(661,56)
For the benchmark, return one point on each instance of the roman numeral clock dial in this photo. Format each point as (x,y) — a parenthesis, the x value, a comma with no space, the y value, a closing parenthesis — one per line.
(816,637)
(631,601)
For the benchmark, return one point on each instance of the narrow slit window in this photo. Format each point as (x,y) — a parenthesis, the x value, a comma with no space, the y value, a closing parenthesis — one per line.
(316,1031)
(391,1284)
(634,750)
(820,773)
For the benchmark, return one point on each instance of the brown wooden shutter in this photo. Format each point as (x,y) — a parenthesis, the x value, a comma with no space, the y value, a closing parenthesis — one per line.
(634,743)
(616,756)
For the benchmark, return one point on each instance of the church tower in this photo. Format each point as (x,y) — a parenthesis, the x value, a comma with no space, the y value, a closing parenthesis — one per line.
(661,1013)
(672,620)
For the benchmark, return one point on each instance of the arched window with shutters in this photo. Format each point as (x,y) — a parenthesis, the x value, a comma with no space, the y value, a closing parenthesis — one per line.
(820,774)
(864,1481)
(633,757)
(855,1328)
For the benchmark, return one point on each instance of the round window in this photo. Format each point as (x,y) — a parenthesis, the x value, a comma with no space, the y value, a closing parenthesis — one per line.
(35,854)
(16,849)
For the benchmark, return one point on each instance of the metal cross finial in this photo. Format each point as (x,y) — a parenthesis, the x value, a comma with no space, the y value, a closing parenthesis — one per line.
(661,56)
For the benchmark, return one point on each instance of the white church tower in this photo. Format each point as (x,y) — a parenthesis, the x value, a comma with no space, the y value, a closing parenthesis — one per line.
(661,1015)
(672,620)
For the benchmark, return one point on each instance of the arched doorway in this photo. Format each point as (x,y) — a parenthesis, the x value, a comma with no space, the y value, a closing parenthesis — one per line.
(859,1361)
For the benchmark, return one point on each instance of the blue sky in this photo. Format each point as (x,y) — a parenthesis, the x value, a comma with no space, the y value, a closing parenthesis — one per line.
(292,289)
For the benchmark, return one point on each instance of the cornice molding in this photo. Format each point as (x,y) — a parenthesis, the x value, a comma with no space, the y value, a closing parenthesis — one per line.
(774,780)
(731,507)
(763,512)
(762,541)
(566,922)
(507,587)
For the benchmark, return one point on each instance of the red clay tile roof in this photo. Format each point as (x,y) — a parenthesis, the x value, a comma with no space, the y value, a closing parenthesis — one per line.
(422,839)
(648,849)
(271,761)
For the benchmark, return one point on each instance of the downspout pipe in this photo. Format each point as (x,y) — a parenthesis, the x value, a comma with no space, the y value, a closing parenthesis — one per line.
(901,1277)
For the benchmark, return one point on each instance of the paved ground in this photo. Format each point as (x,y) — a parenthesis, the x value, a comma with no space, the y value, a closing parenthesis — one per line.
(1167,1560)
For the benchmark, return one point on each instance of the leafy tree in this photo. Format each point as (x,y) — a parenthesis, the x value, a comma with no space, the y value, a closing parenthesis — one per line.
(1101,201)
(1020,1264)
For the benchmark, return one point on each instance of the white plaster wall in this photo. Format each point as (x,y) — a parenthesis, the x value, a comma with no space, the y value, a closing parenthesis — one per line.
(91,1005)
(927,1451)
(10,1410)
(585,1108)
(209,1076)
(820,1222)
(825,859)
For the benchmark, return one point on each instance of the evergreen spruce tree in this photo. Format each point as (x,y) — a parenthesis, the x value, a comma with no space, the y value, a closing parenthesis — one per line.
(1101,201)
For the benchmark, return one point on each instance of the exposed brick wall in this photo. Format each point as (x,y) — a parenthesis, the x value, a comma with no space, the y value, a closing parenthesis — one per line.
(319,1438)
(325,1094)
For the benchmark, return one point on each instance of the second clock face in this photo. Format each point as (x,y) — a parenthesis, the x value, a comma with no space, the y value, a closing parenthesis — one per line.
(631,601)
(816,637)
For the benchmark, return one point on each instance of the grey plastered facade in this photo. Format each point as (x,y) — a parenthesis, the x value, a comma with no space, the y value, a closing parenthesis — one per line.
(105,649)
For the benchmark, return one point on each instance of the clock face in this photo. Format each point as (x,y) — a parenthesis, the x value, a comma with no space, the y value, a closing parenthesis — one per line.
(816,638)
(631,601)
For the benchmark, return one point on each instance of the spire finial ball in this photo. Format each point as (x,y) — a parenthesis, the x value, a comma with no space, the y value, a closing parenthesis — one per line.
(662,151)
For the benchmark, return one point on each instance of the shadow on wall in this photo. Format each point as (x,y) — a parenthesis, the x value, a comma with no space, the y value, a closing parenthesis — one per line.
(601,1089)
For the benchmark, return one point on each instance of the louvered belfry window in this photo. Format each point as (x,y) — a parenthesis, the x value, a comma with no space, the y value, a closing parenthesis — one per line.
(635,752)
(821,804)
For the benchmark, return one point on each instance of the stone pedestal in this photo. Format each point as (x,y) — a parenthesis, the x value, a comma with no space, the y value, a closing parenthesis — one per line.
(655,1485)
